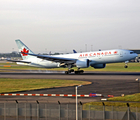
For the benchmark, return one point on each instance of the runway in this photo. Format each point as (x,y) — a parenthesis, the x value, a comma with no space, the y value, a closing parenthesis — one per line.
(106,83)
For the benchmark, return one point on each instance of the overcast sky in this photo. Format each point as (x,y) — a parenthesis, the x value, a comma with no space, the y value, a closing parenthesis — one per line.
(64,25)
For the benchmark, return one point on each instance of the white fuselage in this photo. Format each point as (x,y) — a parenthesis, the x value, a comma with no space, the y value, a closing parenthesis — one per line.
(95,57)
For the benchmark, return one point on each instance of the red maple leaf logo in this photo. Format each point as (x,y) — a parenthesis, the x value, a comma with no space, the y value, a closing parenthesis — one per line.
(24,51)
(115,52)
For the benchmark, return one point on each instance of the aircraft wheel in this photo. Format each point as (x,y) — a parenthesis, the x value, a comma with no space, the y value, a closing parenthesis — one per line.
(79,72)
(126,66)
(72,70)
(76,72)
(66,72)
(69,71)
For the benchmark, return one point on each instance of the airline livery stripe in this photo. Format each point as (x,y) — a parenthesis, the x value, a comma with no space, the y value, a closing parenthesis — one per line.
(61,95)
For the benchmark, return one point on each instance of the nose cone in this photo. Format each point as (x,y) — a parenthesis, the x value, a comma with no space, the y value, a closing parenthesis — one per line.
(133,55)
(136,55)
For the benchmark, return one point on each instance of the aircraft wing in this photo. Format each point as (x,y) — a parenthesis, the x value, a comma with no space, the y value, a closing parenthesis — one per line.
(54,59)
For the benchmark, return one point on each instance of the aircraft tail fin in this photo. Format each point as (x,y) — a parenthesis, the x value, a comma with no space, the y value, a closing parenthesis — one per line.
(74,51)
(23,48)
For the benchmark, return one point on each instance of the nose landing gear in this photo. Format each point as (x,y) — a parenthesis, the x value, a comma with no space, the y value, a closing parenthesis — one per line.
(126,66)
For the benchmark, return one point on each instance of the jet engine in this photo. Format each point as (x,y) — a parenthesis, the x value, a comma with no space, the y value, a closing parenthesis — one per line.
(98,65)
(83,63)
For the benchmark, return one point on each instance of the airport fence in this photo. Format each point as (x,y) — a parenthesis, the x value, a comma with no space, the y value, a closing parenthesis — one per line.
(46,111)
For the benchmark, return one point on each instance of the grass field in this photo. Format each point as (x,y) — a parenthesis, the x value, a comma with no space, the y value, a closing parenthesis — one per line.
(115,67)
(127,98)
(117,106)
(14,85)
(134,97)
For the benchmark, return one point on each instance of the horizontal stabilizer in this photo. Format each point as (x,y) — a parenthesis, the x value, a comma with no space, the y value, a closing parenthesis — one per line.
(18,61)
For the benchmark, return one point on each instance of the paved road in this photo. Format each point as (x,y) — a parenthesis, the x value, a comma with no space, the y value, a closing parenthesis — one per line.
(106,83)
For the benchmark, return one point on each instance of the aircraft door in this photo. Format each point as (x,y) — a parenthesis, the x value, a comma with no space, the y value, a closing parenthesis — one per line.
(121,53)
(99,56)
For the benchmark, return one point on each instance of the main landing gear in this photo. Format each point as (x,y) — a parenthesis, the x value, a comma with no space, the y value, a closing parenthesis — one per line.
(76,72)
(79,71)
(69,71)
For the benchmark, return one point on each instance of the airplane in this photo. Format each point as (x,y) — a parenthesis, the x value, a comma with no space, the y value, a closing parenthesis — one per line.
(95,59)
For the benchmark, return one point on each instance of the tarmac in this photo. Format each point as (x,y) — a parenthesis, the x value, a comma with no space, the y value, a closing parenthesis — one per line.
(105,83)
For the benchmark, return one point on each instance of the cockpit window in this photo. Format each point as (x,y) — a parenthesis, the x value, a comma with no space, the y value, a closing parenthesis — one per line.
(131,52)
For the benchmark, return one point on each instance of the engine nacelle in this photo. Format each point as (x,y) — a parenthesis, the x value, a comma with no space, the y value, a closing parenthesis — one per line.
(83,63)
(98,65)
